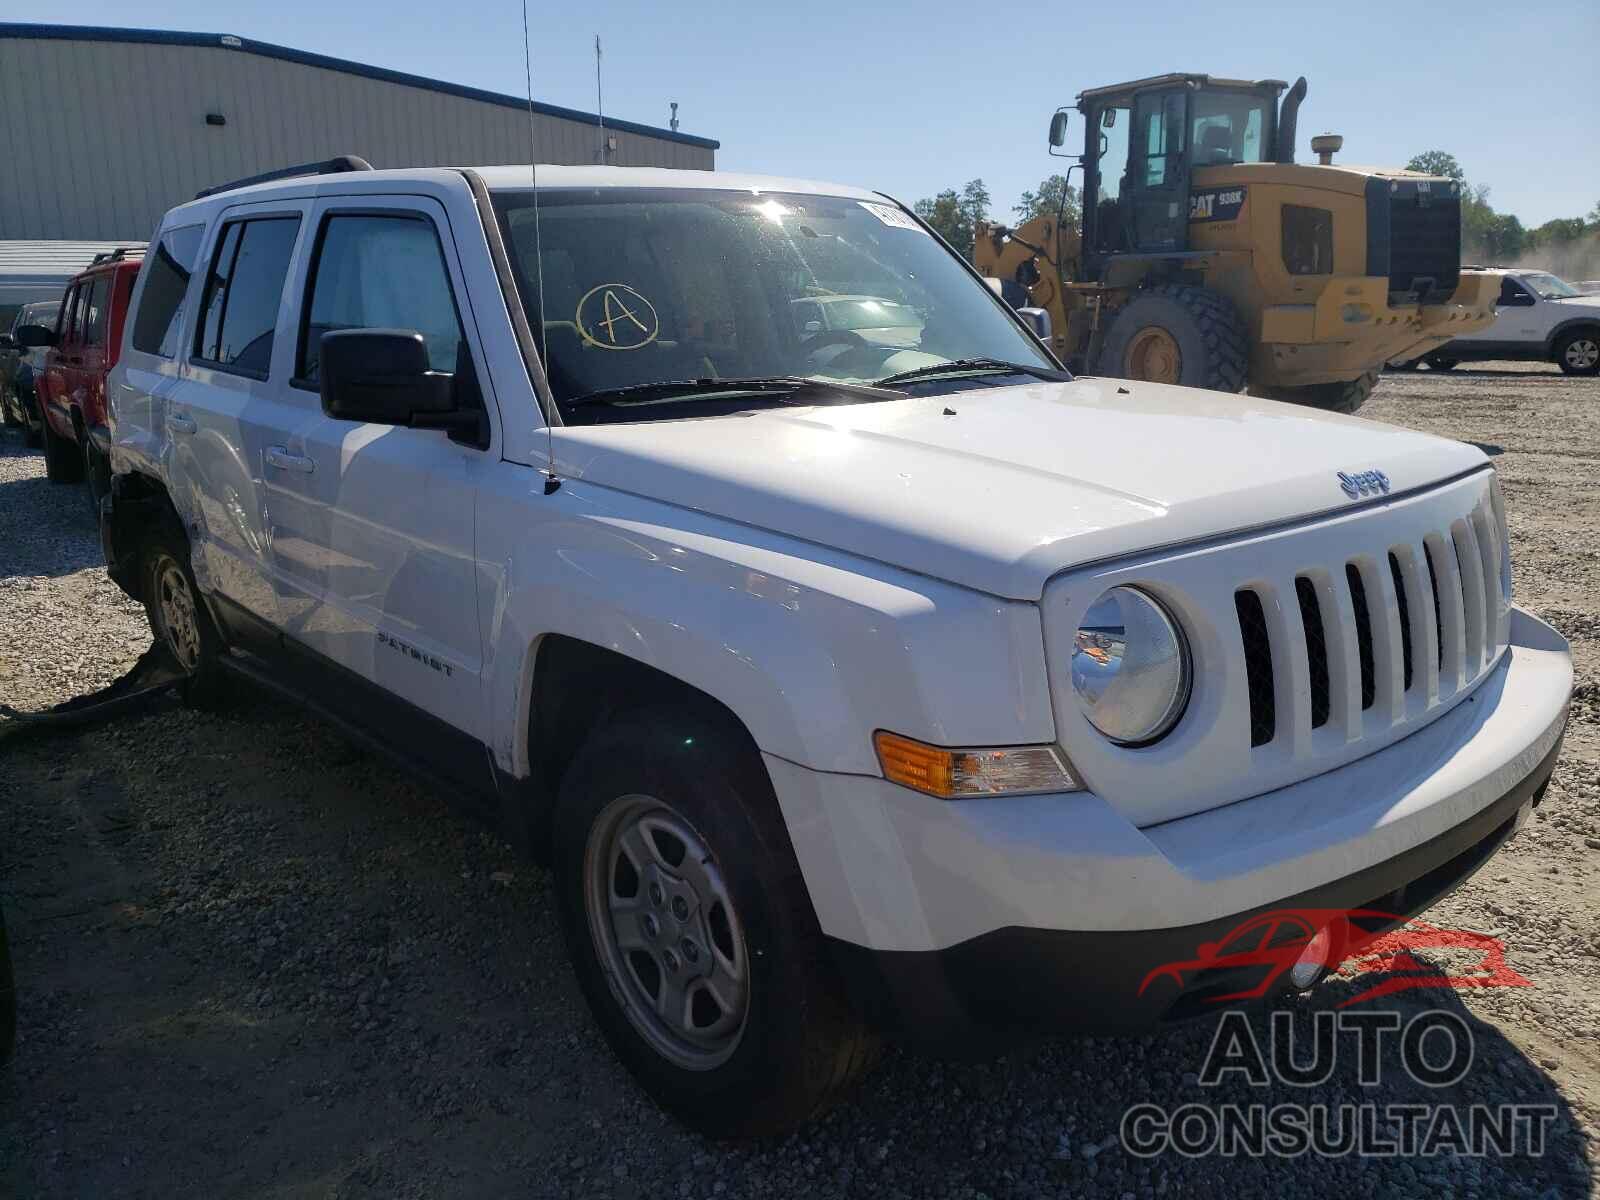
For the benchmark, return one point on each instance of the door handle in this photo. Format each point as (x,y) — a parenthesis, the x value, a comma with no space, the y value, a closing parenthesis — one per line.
(279,456)
(179,423)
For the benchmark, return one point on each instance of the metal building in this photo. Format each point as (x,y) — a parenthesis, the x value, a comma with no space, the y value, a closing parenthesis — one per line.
(103,130)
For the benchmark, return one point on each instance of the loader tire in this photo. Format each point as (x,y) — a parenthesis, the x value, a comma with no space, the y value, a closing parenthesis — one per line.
(1176,333)
(1343,397)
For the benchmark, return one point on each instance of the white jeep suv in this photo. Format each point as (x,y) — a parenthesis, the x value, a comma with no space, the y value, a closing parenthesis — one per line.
(851,686)
(1539,317)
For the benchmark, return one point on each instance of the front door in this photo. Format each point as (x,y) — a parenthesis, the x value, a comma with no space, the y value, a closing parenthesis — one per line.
(373,524)
(60,376)
(1159,173)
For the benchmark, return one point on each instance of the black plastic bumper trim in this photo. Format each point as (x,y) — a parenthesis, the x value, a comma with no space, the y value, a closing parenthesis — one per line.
(1019,980)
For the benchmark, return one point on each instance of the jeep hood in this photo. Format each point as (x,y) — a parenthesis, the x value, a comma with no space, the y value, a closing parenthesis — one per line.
(999,489)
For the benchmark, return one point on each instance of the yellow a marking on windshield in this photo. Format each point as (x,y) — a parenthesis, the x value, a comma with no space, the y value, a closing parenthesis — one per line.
(605,324)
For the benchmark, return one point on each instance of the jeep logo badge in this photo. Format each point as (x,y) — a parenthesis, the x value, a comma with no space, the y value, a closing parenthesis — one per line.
(1363,483)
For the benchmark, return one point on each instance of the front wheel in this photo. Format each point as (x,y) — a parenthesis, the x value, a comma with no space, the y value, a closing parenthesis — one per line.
(1177,333)
(1343,397)
(1578,353)
(1438,362)
(691,930)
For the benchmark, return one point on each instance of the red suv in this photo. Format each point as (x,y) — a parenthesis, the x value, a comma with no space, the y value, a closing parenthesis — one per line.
(83,347)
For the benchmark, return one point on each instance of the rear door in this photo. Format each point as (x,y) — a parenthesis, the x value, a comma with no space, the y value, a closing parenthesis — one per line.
(55,384)
(88,373)
(226,406)
(137,396)
(373,524)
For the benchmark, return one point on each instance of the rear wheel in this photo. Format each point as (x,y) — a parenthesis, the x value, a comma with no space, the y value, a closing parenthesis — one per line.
(1175,333)
(1343,397)
(96,475)
(63,463)
(1578,353)
(1440,363)
(178,617)
(691,930)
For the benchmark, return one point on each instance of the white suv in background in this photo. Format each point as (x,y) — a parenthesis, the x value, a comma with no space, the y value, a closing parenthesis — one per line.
(851,685)
(1540,318)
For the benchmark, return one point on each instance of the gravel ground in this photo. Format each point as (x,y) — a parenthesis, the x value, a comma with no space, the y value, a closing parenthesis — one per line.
(256,961)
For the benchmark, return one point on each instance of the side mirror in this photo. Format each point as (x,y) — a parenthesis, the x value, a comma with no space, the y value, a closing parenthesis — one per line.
(34,336)
(1058,128)
(382,376)
(1039,320)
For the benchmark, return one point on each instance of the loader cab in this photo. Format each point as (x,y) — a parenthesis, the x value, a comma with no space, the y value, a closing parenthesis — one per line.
(1142,143)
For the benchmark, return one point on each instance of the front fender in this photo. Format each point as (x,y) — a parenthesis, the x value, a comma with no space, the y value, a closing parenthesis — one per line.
(813,650)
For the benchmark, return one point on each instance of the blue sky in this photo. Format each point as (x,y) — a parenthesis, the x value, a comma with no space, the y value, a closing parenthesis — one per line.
(912,99)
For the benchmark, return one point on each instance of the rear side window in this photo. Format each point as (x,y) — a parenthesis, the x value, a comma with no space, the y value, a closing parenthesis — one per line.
(242,294)
(380,272)
(67,331)
(166,269)
(94,314)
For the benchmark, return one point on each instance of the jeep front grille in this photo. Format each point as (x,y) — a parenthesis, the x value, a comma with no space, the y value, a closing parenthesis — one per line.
(1314,644)
(1358,623)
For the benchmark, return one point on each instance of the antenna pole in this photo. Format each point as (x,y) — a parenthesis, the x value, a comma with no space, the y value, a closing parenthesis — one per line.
(599,100)
(551,482)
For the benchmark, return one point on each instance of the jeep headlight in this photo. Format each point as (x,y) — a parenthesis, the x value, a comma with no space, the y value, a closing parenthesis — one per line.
(1130,667)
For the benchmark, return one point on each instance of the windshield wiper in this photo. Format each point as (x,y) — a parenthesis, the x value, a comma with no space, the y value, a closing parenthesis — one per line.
(975,366)
(689,389)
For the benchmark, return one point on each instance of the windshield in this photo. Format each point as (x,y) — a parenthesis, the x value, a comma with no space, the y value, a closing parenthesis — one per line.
(1228,127)
(1550,287)
(650,286)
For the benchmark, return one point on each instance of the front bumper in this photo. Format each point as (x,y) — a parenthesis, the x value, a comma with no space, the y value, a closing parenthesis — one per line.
(1047,912)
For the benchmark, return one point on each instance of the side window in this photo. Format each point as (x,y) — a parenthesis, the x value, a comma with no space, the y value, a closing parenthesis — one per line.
(94,318)
(243,292)
(1160,118)
(65,330)
(380,272)
(1511,291)
(1111,168)
(167,270)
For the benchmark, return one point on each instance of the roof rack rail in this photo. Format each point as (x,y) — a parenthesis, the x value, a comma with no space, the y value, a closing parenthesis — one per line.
(330,166)
(120,253)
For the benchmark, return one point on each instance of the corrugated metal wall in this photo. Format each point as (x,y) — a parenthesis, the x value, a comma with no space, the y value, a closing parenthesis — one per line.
(100,138)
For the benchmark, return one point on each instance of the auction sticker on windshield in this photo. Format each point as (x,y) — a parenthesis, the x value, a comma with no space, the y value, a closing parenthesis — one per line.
(890,216)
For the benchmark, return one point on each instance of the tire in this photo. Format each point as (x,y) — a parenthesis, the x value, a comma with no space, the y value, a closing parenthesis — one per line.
(1578,352)
(1343,397)
(1200,325)
(783,1043)
(96,477)
(1436,363)
(63,461)
(178,616)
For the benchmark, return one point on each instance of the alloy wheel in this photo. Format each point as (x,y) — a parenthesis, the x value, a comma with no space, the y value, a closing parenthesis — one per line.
(175,607)
(1582,354)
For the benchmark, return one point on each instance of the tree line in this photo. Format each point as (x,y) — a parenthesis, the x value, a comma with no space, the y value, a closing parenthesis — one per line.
(956,214)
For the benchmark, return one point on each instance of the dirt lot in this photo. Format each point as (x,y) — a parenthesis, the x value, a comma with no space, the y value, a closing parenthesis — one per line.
(255,961)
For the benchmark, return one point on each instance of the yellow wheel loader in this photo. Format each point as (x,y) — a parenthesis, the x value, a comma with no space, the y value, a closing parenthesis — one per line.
(1208,257)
